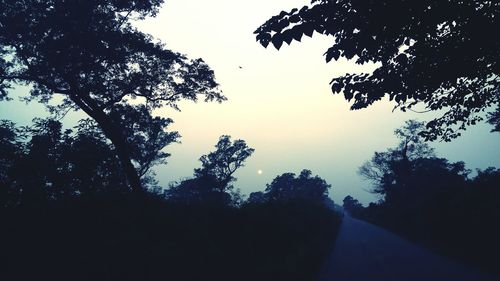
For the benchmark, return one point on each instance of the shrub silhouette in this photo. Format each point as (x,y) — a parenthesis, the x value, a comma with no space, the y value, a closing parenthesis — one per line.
(68,214)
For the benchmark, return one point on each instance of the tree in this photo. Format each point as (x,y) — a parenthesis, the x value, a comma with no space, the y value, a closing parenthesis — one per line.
(43,162)
(352,206)
(410,175)
(224,161)
(89,53)
(304,187)
(435,54)
(92,166)
(9,154)
(198,190)
(146,135)
(258,197)
(9,144)
(212,182)
(394,165)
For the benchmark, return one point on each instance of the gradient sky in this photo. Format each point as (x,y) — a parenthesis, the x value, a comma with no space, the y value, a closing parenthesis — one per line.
(280,103)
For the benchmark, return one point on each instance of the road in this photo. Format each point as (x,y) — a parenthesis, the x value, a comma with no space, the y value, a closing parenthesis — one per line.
(367,252)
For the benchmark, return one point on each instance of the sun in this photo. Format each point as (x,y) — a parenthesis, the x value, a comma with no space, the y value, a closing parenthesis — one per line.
(259,172)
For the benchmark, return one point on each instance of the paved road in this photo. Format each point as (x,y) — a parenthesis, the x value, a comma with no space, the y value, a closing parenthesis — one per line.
(369,253)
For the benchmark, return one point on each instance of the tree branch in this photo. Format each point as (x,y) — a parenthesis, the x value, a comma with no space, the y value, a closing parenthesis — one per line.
(37,80)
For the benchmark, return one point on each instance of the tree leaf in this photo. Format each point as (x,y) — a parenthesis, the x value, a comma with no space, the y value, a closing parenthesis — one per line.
(277,41)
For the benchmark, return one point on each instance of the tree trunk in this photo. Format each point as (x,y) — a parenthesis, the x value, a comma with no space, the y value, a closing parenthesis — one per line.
(131,174)
(113,133)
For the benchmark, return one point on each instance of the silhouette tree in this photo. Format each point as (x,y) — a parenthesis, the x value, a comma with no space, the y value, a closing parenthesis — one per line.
(93,167)
(37,173)
(352,206)
(9,138)
(396,164)
(258,197)
(410,176)
(43,162)
(435,54)
(212,182)
(146,135)
(224,161)
(289,187)
(89,53)
(9,154)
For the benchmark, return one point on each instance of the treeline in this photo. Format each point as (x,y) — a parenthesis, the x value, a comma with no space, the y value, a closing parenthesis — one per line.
(68,213)
(433,201)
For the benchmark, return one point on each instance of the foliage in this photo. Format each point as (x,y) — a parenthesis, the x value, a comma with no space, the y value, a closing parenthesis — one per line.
(211,183)
(257,197)
(146,136)
(291,188)
(44,162)
(68,214)
(436,54)
(224,161)
(9,138)
(290,240)
(352,206)
(199,190)
(130,237)
(89,53)
(394,164)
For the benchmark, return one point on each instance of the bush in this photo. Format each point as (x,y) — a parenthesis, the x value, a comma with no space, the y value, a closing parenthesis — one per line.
(126,237)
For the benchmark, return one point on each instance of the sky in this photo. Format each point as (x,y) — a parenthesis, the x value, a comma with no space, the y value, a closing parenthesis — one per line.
(279,102)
